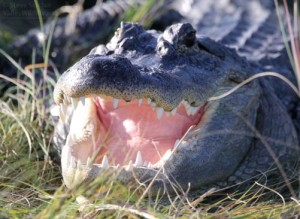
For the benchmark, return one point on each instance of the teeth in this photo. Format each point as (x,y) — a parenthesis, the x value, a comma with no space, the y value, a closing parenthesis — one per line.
(129,167)
(194,110)
(159,112)
(64,108)
(62,111)
(139,159)
(69,141)
(105,163)
(149,100)
(153,105)
(74,102)
(173,112)
(89,161)
(163,160)
(140,102)
(79,164)
(82,99)
(190,110)
(69,99)
(186,106)
(65,100)
(149,165)
(72,162)
(115,103)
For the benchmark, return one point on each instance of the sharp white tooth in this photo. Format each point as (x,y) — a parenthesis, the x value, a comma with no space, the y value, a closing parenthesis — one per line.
(74,102)
(195,110)
(66,155)
(65,100)
(149,100)
(149,165)
(62,112)
(185,103)
(145,163)
(79,164)
(72,162)
(140,102)
(153,104)
(95,96)
(89,162)
(82,99)
(105,163)
(63,108)
(139,159)
(115,103)
(189,110)
(173,112)
(129,167)
(176,143)
(69,141)
(186,106)
(159,112)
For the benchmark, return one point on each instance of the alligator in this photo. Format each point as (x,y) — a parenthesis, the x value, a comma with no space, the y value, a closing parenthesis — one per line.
(148,104)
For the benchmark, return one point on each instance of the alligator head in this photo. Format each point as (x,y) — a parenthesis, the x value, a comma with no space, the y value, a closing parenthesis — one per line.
(142,105)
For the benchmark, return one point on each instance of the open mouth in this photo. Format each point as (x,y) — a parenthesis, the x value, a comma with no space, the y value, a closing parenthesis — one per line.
(112,132)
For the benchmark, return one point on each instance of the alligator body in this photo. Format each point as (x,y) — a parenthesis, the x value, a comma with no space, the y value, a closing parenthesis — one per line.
(144,104)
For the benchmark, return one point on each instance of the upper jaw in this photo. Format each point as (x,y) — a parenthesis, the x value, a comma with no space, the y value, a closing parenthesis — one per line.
(117,77)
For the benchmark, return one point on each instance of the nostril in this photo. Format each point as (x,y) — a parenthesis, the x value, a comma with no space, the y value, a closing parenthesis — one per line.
(110,52)
(190,39)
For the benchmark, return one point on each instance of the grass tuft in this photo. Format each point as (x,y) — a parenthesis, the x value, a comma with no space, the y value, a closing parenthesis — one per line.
(31,184)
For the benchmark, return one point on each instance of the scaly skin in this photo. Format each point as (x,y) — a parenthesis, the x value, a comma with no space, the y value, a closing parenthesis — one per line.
(238,136)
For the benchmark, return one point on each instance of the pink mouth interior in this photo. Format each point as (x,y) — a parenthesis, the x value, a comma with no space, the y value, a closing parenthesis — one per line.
(130,128)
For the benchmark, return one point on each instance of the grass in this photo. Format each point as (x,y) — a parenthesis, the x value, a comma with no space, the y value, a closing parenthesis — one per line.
(31,185)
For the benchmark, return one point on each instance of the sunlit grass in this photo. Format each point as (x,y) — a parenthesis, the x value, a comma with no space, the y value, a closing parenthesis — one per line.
(31,184)
(26,171)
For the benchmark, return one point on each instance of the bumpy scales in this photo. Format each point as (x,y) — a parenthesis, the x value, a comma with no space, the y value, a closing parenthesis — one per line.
(142,105)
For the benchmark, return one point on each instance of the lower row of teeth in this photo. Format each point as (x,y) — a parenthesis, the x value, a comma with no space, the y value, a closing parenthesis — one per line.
(190,110)
(105,164)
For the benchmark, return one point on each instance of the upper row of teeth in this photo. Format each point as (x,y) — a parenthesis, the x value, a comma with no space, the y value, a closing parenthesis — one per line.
(191,110)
